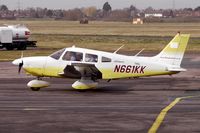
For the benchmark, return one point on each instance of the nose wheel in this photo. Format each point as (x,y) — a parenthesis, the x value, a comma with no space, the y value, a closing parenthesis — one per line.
(35,88)
(36,84)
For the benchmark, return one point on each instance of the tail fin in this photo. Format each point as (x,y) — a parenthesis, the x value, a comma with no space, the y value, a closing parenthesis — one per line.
(173,53)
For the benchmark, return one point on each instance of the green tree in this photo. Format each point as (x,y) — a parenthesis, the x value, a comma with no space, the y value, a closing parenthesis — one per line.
(107,7)
(3,8)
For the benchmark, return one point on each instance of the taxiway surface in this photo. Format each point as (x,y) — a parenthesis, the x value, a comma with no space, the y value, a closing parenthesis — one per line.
(119,106)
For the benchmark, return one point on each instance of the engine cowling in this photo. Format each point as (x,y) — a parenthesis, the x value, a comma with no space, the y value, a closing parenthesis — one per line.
(84,84)
(38,84)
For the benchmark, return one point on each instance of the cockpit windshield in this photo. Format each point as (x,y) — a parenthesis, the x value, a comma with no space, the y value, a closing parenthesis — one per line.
(57,54)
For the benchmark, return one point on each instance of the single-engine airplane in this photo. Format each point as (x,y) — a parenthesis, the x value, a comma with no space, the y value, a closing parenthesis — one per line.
(88,66)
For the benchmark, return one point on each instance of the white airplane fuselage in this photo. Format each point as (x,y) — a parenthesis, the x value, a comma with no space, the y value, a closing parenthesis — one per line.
(121,66)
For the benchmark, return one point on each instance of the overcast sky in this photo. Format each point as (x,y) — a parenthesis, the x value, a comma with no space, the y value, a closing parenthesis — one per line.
(69,4)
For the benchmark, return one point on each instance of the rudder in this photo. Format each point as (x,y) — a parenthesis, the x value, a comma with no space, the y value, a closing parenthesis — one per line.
(173,53)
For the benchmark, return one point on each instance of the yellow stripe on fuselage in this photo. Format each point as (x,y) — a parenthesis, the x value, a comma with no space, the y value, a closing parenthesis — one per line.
(106,73)
(110,74)
(47,72)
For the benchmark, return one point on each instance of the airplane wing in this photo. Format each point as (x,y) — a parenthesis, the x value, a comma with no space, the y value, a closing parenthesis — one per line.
(81,70)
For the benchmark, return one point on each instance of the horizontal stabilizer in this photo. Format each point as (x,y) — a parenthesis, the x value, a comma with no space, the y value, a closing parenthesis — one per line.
(176,69)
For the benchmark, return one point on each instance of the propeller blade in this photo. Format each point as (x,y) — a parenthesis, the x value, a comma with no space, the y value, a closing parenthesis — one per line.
(20,66)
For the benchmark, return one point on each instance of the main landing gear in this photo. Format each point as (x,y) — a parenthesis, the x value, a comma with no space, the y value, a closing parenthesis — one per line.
(84,84)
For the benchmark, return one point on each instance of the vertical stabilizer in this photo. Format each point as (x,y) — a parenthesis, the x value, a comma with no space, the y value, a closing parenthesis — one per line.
(173,53)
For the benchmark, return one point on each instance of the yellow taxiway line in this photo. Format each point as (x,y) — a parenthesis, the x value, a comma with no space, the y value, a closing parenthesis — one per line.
(163,113)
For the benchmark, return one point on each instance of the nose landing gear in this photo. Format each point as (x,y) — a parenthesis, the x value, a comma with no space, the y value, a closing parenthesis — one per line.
(35,88)
(36,84)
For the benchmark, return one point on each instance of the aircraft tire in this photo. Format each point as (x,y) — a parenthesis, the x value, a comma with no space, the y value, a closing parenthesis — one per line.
(35,88)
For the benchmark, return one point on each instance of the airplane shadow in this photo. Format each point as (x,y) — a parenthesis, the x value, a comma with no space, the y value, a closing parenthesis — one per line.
(99,89)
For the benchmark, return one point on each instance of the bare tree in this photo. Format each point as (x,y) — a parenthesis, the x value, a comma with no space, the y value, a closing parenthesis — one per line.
(49,13)
(90,11)
(74,14)
(197,8)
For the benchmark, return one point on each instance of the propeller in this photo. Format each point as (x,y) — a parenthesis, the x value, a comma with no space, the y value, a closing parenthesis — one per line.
(21,64)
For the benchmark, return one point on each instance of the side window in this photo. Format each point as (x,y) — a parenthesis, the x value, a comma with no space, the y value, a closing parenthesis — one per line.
(91,58)
(57,54)
(73,56)
(105,59)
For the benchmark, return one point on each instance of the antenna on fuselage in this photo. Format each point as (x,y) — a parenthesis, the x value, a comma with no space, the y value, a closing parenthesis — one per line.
(118,49)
